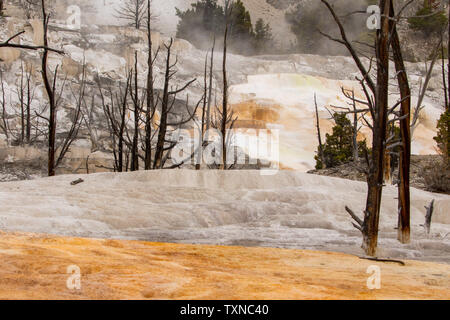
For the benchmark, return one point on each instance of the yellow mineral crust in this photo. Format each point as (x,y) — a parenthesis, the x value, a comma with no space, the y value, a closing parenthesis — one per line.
(35,267)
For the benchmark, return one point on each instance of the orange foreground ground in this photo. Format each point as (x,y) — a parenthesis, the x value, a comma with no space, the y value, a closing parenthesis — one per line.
(35,266)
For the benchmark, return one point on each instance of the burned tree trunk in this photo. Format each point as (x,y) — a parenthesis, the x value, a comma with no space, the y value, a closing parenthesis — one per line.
(355,130)
(223,128)
(444,79)
(167,104)
(379,113)
(164,112)
(405,132)
(4,125)
(28,114)
(208,111)
(376,179)
(122,126)
(428,217)
(136,111)
(117,120)
(319,136)
(150,94)
(199,152)
(51,97)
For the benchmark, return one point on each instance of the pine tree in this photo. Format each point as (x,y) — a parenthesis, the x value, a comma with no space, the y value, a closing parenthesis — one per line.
(338,146)
(428,19)
(443,135)
(206,18)
(263,36)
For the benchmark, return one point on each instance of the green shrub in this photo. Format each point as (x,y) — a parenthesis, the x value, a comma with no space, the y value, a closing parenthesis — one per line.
(427,20)
(207,17)
(443,134)
(338,148)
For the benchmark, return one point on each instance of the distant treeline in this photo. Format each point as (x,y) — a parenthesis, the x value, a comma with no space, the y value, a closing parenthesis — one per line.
(206,20)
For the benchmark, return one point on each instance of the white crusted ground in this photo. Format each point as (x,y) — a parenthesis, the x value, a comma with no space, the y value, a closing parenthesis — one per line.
(289,210)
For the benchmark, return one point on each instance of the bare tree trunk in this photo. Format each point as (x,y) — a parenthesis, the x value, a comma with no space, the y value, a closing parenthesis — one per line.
(379,112)
(4,125)
(29,99)
(355,130)
(203,124)
(150,109)
(136,103)
(444,80)
(376,177)
(208,112)
(428,217)
(51,98)
(405,131)
(164,112)
(122,128)
(319,136)
(223,128)
(21,93)
(167,103)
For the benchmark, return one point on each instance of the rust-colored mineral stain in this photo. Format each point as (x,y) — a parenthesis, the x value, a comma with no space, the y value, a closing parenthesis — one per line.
(35,266)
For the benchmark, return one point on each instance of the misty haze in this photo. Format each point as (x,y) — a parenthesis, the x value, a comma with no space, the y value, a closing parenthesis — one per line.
(224,149)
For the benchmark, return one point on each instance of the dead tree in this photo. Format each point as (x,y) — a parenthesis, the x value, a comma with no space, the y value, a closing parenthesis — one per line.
(150,92)
(355,130)
(444,79)
(209,111)
(30,97)
(358,115)
(4,124)
(137,108)
(22,111)
(135,12)
(217,123)
(9,44)
(164,144)
(224,117)
(424,87)
(25,96)
(379,113)
(211,67)
(116,112)
(428,217)
(50,89)
(88,117)
(76,122)
(405,132)
(319,136)
(202,125)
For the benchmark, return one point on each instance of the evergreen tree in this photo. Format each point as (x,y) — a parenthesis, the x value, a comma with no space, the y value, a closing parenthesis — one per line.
(338,148)
(207,17)
(428,19)
(263,37)
(241,27)
(196,24)
(443,135)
